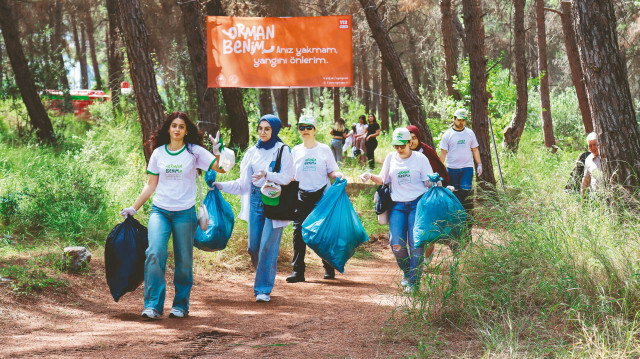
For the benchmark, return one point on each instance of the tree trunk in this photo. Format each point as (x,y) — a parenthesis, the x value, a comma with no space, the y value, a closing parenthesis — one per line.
(450,50)
(282,105)
(114,55)
(92,47)
(410,101)
(336,103)
(302,103)
(513,132)
(266,104)
(383,108)
(545,101)
(148,101)
(37,114)
(474,26)
(608,91)
(81,53)
(366,89)
(232,97)
(577,76)
(208,112)
(58,48)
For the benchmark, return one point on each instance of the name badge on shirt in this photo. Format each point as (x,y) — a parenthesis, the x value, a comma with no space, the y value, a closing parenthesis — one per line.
(309,165)
(404,177)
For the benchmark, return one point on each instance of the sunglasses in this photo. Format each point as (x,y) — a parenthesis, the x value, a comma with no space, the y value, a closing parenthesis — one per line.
(397,147)
(307,127)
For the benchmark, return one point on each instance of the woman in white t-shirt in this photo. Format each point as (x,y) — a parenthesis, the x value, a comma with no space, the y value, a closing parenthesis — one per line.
(314,165)
(172,168)
(361,133)
(256,169)
(406,173)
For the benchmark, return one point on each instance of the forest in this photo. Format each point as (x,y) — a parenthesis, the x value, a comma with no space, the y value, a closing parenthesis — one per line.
(550,272)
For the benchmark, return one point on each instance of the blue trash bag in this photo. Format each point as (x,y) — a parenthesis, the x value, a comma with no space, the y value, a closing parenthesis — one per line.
(221,219)
(333,229)
(124,256)
(439,215)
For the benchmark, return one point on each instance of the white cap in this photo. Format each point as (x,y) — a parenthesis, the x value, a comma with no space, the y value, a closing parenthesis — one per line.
(460,113)
(271,190)
(307,120)
(400,136)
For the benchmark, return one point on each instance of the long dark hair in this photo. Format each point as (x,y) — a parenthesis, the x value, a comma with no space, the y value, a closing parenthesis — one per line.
(374,118)
(161,136)
(363,118)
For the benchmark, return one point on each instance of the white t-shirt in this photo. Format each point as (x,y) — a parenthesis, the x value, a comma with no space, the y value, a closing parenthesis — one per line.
(593,171)
(360,128)
(406,176)
(176,190)
(458,145)
(312,166)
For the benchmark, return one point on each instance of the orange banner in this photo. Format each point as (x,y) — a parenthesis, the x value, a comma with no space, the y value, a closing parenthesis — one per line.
(279,52)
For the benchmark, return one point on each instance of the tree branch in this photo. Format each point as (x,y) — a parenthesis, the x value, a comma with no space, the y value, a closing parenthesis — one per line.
(553,10)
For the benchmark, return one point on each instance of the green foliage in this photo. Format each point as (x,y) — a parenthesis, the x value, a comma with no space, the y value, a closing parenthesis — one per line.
(30,278)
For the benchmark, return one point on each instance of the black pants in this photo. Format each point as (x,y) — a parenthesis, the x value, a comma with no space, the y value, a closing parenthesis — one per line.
(306,204)
(371,146)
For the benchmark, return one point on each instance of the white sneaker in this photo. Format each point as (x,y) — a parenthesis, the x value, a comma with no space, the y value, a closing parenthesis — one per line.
(404,282)
(151,313)
(177,313)
(263,298)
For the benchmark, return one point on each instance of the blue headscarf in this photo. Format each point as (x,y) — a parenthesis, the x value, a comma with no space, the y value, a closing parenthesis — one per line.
(276,124)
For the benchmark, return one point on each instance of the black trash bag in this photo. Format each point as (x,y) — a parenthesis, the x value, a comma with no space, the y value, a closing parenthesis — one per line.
(124,256)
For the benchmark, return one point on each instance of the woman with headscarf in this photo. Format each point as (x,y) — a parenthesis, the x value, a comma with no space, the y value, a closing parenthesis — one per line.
(416,145)
(256,169)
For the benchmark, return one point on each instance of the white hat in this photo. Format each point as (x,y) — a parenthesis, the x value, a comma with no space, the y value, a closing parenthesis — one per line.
(307,120)
(460,113)
(400,136)
(271,190)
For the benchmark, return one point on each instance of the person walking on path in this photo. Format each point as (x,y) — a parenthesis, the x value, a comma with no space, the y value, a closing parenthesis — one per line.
(314,166)
(172,168)
(370,141)
(406,172)
(256,170)
(436,164)
(459,147)
(339,133)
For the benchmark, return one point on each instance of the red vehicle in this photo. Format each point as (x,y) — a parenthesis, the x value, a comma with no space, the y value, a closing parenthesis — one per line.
(80,99)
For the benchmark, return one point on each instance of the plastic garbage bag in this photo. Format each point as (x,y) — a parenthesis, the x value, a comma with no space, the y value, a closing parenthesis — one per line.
(439,215)
(333,229)
(124,256)
(221,219)
(227,159)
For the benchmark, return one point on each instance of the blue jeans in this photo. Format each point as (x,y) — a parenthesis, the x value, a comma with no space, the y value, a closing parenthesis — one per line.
(336,149)
(162,224)
(461,178)
(401,220)
(264,245)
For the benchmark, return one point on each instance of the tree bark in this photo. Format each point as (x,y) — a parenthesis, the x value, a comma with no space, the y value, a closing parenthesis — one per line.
(301,103)
(92,47)
(474,27)
(208,112)
(336,103)
(232,97)
(610,100)
(150,107)
(409,100)
(514,131)
(282,105)
(81,53)
(450,49)
(114,55)
(383,108)
(266,104)
(577,76)
(37,114)
(545,101)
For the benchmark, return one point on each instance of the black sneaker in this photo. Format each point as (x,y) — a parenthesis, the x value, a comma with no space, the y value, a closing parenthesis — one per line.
(295,278)
(329,273)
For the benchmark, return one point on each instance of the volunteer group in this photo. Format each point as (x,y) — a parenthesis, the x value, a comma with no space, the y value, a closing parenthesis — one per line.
(179,154)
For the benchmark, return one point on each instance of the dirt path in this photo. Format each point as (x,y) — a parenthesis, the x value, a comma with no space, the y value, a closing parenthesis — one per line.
(344,318)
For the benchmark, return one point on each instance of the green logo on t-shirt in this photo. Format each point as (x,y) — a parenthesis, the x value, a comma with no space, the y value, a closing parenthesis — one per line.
(309,165)
(174,172)
(404,177)
(461,142)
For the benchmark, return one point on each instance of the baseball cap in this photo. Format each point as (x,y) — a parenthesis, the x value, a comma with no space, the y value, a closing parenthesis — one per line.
(460,113)
(400,136)
(307,120)
(271,193)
